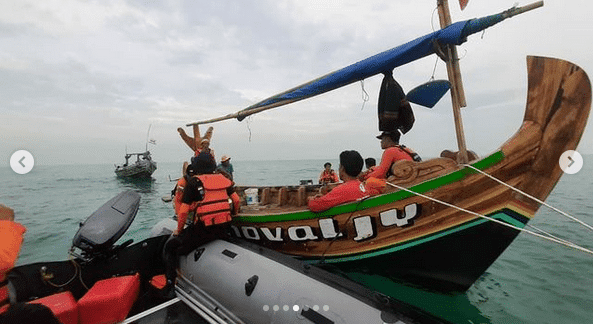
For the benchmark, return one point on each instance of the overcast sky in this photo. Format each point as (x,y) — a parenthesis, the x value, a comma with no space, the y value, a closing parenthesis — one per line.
(82,80)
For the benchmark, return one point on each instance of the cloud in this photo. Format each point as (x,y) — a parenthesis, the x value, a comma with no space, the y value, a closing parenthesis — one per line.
(101,71)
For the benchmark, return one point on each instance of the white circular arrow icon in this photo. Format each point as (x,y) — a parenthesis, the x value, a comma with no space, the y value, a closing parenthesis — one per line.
(22,162)
(571,162)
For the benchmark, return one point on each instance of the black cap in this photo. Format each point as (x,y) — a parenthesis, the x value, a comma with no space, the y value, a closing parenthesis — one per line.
(395,135)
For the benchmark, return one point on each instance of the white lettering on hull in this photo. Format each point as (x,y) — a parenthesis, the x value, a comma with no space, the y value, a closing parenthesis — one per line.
(328,228)
(277,236)
(301,233)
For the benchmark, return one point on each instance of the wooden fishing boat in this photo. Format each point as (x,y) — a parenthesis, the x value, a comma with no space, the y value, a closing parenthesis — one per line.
(442,222)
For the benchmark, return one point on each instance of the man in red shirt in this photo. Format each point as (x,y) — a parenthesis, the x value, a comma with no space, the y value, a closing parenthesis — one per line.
(392,152)
(352,189)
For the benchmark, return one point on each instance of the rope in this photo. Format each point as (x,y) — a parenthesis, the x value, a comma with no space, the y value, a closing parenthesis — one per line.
(47,278)
(548,234)
(77,273)
(365,95)
(322,259)
(530,196)
(559,241)
(249,127)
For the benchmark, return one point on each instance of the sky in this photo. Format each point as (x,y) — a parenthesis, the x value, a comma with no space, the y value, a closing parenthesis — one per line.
(81,81)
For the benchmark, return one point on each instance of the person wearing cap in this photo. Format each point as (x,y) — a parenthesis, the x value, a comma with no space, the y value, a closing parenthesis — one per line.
(392,153)
(205,147)
(211,198)
(225,167)
(352,189)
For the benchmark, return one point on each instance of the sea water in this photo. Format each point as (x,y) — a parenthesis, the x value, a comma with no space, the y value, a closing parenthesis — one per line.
(533,281)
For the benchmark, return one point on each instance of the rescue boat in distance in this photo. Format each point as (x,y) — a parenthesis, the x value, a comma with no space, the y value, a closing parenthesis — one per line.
(142,168)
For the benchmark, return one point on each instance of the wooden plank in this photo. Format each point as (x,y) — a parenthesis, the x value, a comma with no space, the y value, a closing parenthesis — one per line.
(454,73)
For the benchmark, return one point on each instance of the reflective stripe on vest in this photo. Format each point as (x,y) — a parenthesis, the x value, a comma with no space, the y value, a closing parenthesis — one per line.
(215,207)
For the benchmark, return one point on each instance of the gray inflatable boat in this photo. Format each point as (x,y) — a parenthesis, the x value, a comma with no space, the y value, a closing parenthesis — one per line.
(238,282)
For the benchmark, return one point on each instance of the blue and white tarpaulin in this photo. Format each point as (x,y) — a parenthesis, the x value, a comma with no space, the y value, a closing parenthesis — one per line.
(385,62)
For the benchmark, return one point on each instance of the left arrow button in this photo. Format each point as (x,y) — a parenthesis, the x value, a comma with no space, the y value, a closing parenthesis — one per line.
(22,162)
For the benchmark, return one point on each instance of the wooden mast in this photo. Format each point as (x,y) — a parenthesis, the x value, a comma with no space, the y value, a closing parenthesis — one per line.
(454,73)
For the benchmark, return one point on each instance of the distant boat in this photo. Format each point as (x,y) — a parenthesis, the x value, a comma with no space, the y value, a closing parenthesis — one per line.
(143,167)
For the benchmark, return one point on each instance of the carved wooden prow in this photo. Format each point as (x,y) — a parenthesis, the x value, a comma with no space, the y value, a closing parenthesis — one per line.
(558,101)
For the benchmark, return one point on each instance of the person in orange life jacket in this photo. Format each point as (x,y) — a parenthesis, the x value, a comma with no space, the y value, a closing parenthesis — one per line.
(370,164)
(177,192)
(328,175)
(207,195)
(352,189)
(11,238)
(392,152)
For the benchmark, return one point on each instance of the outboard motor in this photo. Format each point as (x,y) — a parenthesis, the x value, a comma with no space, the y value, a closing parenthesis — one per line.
(98,233)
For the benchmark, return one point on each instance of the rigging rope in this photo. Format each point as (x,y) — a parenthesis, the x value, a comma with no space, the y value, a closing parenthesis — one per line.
(559,241)
(249,126)
(340,234)
(530,196)
(365,95)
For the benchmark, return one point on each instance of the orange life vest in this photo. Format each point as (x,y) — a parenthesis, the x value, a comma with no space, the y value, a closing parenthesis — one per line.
(328,177)
(215,207)
(11,238)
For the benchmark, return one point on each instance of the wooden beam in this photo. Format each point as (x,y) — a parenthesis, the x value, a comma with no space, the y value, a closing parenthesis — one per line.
(454,73)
